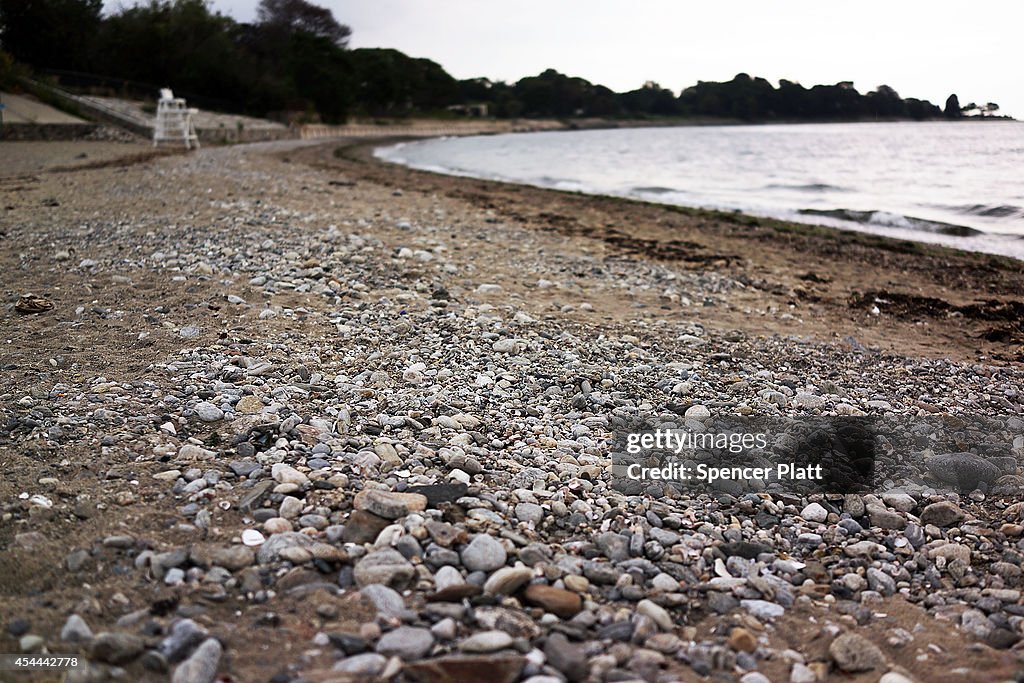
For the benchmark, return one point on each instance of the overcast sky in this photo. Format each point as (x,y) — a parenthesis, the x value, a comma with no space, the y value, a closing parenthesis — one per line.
(922,48)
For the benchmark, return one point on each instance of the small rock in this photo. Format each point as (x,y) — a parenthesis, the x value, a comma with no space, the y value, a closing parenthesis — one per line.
(445,629)
(18,627)
(742,640)
(445,493)
(507,580)
(406,642)
(505,346)
(253,496)
(805,400)
(854,582)
(899,500)
(249,405)
(184,636)
(388,504)
(885,518)
(942,514)
(531,513)
(895,677)
(277,525)
(290,507)
(446,577)
(814,513)
(207,412)
(965,470)
(387,567)
(484,554)
(1002,638)
(762,609)
(193,452)
(744,549)
(576,583)
(801,673)
(31,643)
(864,549)
(880,581)
(853,653)
(76,560)
(201,667)
(656,612)
(557,601)
(567,657)
(387,601)
(115,648)
(953,551)
(270,550)
(614,546)
(232,557)
(252,537)
(363,527)
(367,664)
(663,583)
(286,474)
(75,630)
(486,641)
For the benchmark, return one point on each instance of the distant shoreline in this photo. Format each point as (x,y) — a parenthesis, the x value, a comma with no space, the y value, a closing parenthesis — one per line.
(585,124)
(589,123)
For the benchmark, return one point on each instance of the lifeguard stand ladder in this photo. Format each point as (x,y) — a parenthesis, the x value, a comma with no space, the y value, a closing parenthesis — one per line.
(174,121)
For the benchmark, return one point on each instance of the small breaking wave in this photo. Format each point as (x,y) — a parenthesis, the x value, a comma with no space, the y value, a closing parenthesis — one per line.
(653,189)
(991,210)
(808,187)
(894,220)
(569,184)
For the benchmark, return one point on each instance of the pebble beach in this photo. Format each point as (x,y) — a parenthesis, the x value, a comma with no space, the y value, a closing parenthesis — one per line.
(298,415)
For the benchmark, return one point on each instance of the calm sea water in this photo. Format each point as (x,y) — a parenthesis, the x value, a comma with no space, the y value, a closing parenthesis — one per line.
(953,183)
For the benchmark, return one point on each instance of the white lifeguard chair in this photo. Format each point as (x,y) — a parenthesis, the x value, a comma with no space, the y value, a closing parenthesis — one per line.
(174,121)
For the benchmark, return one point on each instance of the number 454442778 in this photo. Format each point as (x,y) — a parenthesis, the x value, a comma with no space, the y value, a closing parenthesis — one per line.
(34,662)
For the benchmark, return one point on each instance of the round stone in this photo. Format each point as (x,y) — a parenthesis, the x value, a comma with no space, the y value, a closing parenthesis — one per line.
(207,412)
(484,554)
(406,643)
(814,513)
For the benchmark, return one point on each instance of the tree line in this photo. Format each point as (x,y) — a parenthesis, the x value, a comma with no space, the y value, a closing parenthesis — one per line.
(293,61)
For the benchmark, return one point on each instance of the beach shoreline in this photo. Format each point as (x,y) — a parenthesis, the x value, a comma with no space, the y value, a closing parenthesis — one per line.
(933,300)
(341,416)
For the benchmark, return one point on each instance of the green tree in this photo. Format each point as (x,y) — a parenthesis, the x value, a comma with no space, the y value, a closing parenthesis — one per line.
(391,83)
(884,102)
(952,108)
(177,43)
(299,16)
(554,94)
(50,33)
(651,99)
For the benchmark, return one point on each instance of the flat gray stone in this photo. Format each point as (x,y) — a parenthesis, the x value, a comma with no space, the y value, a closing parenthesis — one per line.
(406,642)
